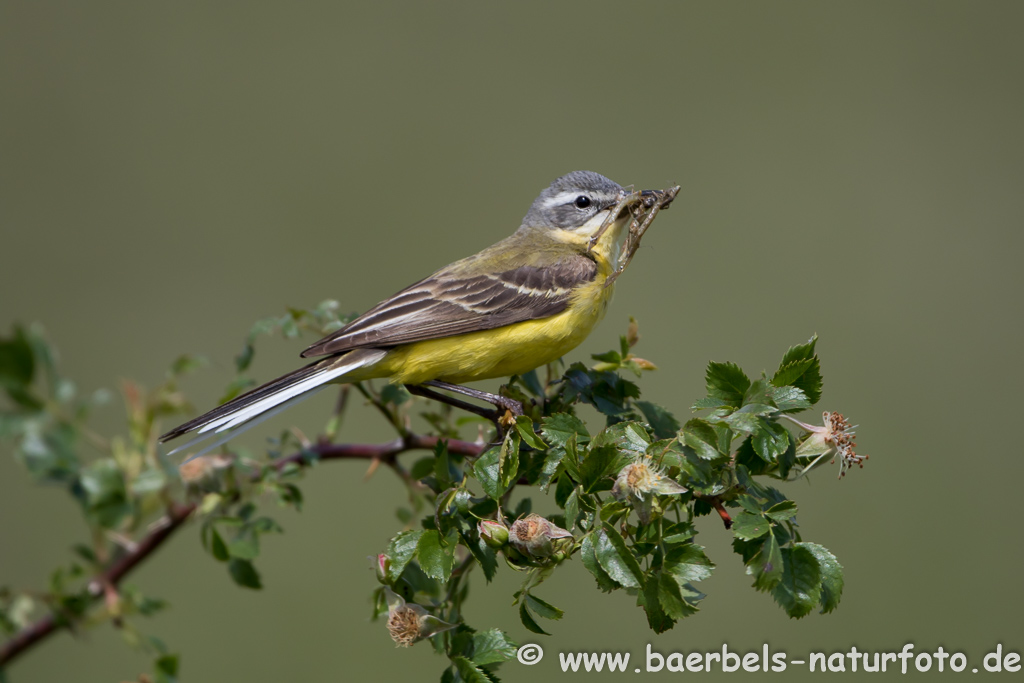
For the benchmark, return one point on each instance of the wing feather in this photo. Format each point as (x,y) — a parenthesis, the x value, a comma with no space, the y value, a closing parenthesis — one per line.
(447,304)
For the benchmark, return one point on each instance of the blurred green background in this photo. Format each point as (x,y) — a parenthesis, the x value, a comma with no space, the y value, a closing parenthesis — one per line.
(171,172)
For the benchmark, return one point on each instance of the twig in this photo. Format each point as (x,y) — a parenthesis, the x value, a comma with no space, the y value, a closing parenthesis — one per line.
(178,513)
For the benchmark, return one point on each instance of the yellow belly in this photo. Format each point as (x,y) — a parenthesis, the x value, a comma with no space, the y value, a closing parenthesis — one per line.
(501,352)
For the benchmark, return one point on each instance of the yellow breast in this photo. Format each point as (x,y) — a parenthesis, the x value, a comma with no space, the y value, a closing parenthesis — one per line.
(511,350)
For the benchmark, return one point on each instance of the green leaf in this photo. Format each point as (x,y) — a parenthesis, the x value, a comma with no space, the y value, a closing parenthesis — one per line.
(831,576)
(395,394)
(484,554)
(487,471)
(542,608)
(789,399)
(491,647)
(800,588)
(688,563)
(770,441)
(671,599)
(616,559)
(648,598)
(766,565)
(244,573)
(400,551)
(17,369)
(702,438)
(561,427)
(749,526)
(524,425)
(508,461)
(245,547)
(528,620)
(589,558)
(552,459)
(800,368)
(600,462)
(104,493)
(726,382)
(664,423)
(218,548)
(442,469)
(780,512)
(572,509)
(469,672)
(437,554)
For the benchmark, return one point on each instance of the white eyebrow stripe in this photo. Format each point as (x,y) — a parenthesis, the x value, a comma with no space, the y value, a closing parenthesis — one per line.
(562,198)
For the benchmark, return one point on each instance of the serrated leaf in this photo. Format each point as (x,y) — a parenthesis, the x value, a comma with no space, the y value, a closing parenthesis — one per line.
(800,368)
(766,566)
(552,459)
(800,588)
(244,547)
(524,425)
(508,460)
(484,554)
(488,473)
(780,512)
(702,438)
(528,621)
(770,441)
(469,672)
(648,598)
(437,554)
(726,382)
(543,609)
(572,509)
(561,427)
(616,559)
(789,398)
(831,576)
(749,526)
(491,647)
(664,423)
(589,558)
(688,563)
(600,462)
(244,573)
(400,551)
(669,596)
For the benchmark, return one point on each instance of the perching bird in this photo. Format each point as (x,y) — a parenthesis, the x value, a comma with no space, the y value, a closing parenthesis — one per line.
(513,307)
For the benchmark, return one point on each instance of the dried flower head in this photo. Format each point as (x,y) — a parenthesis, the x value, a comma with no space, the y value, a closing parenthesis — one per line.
(639,482)
(834,438)
(409,623)
(202,470)
(533,535)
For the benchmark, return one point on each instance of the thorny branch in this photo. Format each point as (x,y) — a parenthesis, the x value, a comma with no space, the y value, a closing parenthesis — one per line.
(178,513)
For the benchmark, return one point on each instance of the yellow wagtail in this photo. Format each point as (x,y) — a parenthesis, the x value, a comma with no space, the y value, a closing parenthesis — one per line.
(515,306)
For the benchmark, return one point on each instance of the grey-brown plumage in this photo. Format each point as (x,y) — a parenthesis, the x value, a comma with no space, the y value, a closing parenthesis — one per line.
(446,304)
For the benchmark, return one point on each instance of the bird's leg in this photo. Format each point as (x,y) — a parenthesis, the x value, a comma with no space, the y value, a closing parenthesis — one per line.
(503,403)
(421,390)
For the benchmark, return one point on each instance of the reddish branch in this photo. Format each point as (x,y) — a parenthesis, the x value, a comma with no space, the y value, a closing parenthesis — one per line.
(178,514)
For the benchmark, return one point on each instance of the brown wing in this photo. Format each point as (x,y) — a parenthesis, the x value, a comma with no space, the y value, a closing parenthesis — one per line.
(447,304)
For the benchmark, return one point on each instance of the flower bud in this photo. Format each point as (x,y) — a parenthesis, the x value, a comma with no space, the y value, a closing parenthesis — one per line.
(383,564)
(537,537)
(494,533)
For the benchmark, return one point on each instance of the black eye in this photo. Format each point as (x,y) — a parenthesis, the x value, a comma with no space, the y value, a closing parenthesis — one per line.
(582,202)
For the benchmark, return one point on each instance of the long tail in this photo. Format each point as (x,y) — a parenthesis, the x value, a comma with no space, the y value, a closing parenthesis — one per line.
(248,410)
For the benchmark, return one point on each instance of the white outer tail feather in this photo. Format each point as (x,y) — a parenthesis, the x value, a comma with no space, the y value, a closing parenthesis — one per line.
(227,427)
